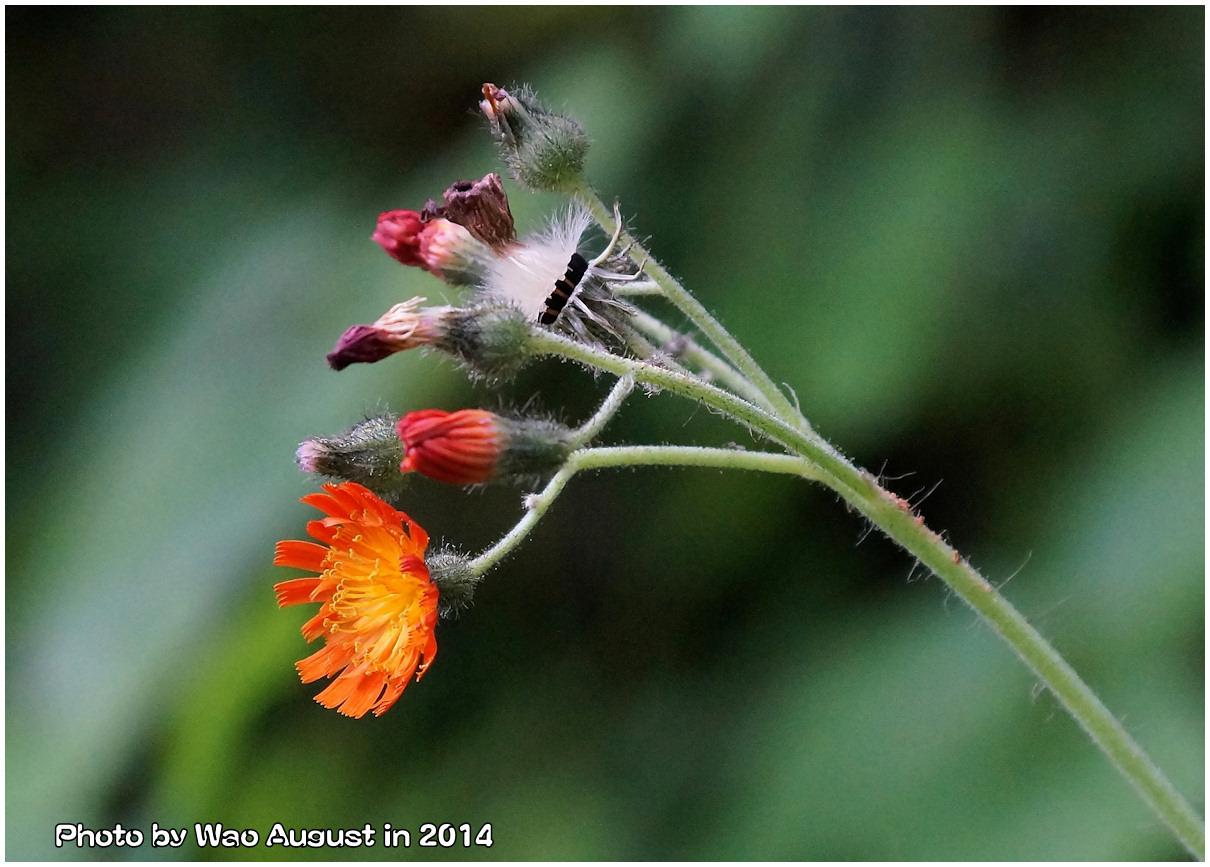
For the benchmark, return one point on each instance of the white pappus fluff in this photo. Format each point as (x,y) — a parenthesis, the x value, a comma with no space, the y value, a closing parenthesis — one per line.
(526,274)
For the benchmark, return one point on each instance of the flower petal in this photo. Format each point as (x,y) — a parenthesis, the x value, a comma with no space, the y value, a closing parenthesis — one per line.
(300,555)
(295,592)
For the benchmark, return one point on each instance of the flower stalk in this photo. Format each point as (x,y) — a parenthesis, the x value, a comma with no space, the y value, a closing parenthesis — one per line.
(609,408)
(896,518)
(684,347)
(613,457)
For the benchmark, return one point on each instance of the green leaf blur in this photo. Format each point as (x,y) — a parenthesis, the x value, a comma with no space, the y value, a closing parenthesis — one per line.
(971,242)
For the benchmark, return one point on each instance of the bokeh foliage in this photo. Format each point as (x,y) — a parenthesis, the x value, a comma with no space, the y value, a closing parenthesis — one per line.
(969,240)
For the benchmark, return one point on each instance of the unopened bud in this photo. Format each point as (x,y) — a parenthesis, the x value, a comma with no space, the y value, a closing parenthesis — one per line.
(491,338)
(472,446)
(455,580)
(404,326)
(368,453)
(444,249)
(543,150)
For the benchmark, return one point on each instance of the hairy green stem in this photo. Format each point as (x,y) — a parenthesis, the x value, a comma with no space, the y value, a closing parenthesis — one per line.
(709,363)
(731,348)
(630,456)
(895,517)
(612,403)
(603,457)
(535,507)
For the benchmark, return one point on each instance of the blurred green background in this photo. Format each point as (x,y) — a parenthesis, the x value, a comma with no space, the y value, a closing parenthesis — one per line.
(970,240)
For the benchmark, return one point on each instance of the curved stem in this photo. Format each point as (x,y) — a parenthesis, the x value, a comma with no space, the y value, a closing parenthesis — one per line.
(585,432)
(630,456)
(537,504)
(535,507)
(896,518)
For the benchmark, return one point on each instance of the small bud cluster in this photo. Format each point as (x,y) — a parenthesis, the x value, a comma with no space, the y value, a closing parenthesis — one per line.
(543,278)
(518,286)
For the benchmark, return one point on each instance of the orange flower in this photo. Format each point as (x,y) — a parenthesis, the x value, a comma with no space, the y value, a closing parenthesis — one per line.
(378,605)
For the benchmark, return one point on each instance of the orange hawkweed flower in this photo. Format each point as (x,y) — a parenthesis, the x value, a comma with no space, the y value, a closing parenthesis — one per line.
(377,602)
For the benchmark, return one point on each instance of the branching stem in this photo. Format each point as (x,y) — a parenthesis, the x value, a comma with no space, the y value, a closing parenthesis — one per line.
(707,361)
(731,348)
(631,456)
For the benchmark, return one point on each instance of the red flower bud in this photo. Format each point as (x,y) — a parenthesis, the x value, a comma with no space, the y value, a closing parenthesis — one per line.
(398,233)
(442,248)
(460,447)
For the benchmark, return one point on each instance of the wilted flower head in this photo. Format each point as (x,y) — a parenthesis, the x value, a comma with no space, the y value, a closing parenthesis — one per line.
(481,208)
(398,233)
(543,275)
(489,337)
(404,326)
(377,602)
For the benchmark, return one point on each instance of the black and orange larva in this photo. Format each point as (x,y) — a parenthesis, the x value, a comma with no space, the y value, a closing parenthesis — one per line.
(564,287)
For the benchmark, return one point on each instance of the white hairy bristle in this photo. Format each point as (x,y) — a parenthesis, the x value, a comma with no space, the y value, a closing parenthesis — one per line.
(526,274)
